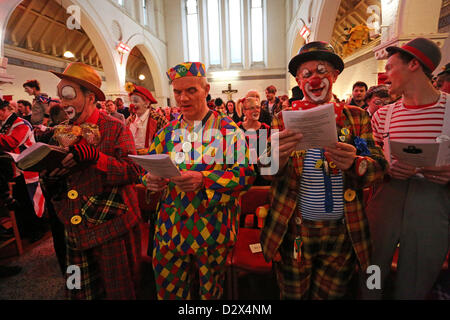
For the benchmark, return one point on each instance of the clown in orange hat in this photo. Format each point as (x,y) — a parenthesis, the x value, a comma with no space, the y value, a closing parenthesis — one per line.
(96,204)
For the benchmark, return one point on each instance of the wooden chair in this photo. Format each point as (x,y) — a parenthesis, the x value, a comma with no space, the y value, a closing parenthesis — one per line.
(241,259)
(17,239)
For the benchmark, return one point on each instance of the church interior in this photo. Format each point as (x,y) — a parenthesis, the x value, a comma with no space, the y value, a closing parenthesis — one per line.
(245,45)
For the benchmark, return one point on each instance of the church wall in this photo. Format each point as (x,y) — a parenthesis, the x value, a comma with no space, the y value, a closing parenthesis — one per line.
(364,70)
(47,80)
(256,77)
(98,27)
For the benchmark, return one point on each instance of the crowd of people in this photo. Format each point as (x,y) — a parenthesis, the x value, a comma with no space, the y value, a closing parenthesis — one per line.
(321,229)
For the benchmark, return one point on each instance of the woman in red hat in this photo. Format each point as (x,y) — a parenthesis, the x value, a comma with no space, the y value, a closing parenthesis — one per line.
(147,121)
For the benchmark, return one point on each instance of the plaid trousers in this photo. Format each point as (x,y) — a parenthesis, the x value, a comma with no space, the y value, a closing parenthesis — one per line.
(327,261)
(109,271)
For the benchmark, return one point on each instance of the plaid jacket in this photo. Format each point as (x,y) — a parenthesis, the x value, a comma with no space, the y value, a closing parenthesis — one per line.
(285,186)
(192,221)
(104,196)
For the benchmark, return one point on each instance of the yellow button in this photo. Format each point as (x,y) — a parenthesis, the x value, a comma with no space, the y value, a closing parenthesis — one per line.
(319,164)
(349,195)
(345,131)
(75,219)
(72,194)
(332,165)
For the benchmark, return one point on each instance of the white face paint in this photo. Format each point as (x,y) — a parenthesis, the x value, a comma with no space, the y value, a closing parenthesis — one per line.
(68,93)
(71,112)
(318,94)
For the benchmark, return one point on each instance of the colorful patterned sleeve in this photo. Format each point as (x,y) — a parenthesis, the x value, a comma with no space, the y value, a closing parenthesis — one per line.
(227,181)
(376,163)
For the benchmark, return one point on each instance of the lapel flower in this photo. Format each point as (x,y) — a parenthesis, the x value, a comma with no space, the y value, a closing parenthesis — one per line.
(129,87)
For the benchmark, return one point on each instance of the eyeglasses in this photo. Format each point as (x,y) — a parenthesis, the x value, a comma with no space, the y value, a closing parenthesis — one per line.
(252,108)
(320,69)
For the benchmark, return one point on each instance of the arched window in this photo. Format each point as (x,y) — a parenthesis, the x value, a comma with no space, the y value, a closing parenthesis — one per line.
(235,30)
(225,33)
(214,38)
(144,12)
(193,30)
(257,27)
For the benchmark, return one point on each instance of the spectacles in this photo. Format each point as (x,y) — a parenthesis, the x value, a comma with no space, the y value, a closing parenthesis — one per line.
(320,69)
(252,108)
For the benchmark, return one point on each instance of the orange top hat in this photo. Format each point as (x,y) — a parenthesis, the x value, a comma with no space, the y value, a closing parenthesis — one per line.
(85,76)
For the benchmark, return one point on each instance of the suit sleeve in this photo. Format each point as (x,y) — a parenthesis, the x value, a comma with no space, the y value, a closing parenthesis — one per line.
(376,163)
(119,169)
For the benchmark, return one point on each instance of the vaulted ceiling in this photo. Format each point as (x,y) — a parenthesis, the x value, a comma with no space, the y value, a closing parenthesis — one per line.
(351,12)
(40,26)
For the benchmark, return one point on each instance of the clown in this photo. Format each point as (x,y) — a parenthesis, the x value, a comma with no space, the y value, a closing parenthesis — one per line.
(316,231)
(197,221)
(97,204)
(146,122)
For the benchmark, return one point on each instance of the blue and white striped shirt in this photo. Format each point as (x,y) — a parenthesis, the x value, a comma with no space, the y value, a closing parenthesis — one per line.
(311,196)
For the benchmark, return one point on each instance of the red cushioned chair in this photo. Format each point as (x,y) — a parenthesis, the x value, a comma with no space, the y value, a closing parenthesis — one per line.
(242,260)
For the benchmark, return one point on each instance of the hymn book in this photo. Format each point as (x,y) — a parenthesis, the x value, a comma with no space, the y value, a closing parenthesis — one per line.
(40,156)
(318,126)
(157,164)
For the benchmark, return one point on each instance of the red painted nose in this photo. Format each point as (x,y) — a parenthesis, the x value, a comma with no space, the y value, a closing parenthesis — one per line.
(315,82)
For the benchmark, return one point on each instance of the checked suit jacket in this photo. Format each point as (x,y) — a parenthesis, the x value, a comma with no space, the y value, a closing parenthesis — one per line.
(285,186)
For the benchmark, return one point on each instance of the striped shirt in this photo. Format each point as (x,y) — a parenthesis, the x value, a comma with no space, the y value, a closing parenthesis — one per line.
(411,124)
(311,196)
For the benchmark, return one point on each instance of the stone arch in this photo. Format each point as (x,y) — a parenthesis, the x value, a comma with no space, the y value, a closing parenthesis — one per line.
(6,9)
(90,24)
(102,43)
(155,66)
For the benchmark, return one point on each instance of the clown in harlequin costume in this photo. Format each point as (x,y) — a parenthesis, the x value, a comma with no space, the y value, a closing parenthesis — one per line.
(198,214)
(316,232)
(97,205)
(146,122)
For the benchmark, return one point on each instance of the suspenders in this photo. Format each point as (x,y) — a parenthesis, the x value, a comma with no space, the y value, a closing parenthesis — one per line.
(387,124)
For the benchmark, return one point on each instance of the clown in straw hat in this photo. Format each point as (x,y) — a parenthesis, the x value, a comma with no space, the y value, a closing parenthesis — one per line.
(100,144)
